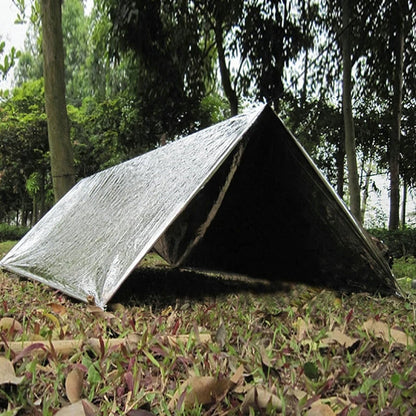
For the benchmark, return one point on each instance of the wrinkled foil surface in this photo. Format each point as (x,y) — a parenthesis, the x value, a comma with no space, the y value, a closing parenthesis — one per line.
(239,197)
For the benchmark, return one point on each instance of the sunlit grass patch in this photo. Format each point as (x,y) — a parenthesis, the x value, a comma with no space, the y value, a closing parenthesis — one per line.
(5,247)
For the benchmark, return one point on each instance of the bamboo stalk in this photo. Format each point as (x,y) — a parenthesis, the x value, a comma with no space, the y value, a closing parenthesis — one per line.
(70,346)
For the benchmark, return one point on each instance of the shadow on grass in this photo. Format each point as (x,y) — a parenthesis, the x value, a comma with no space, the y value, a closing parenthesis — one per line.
(163,286)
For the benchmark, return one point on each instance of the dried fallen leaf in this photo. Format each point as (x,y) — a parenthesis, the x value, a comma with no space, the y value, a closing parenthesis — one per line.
(31,348)
(338,303)
(260,399)
(73,385)
(12,411)
(298,394)
(80,408)
(184,338)
(265,357)
(172,319)
(7,373)
(206,390)
(57,308)
(381,330)
(10,324)
(99,312)
(338,404)
(201,390)
(337,336)
(320,409)
(221,335)
(89,408)
(238,376)
(303,328)
(117,307)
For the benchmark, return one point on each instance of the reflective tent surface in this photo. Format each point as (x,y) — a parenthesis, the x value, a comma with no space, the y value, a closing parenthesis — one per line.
(240,197)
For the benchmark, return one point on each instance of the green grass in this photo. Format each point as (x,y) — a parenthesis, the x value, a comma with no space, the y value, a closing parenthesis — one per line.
(405,267)
(6,246)
(286,341)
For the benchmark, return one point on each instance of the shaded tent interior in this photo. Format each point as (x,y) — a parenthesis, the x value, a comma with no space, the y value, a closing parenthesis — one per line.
(246,200)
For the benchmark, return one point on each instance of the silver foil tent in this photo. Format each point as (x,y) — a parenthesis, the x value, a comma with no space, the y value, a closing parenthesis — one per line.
(240,197)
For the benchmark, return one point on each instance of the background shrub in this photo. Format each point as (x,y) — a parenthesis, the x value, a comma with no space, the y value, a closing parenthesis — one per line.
(400,242)
(12,232)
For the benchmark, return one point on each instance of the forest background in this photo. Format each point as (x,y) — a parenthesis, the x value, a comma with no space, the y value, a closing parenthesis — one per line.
(138,74)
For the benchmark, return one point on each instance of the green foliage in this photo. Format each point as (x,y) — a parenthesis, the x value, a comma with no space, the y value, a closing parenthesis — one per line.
(377,65)
(163,43)
(252,41)
(400,242)
(76,42)
(8,60)
(12,232)
(214,109)
(142,72)
(405,268)
(270,35)
(318,125)
(23,148)
(107,132)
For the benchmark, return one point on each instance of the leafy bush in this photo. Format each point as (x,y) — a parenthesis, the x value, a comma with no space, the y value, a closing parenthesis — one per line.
(405,267)
(400,242)
(12,232)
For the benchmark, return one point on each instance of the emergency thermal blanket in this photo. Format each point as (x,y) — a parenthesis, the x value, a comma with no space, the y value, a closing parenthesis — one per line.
(240,197)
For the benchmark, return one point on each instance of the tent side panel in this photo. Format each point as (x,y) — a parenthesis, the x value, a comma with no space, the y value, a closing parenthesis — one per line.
(94,237)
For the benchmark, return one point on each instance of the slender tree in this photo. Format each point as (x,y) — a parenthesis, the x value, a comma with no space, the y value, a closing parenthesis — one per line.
(394,160)
(62,160)
(229,90)
(389,72)
(349,131)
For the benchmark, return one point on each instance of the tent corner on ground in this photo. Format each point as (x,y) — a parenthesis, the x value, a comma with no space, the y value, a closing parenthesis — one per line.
(240,197)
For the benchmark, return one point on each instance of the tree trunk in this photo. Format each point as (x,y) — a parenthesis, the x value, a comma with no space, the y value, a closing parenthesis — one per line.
(404,201)
(62,160)
(224,71)
(34,218)
(339,158)
(305,12)
(350,151)
(42,196)
(366,188)
(394,161)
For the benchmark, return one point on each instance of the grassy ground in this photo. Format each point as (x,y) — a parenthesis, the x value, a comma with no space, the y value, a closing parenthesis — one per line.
(5,246)
(191,345)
